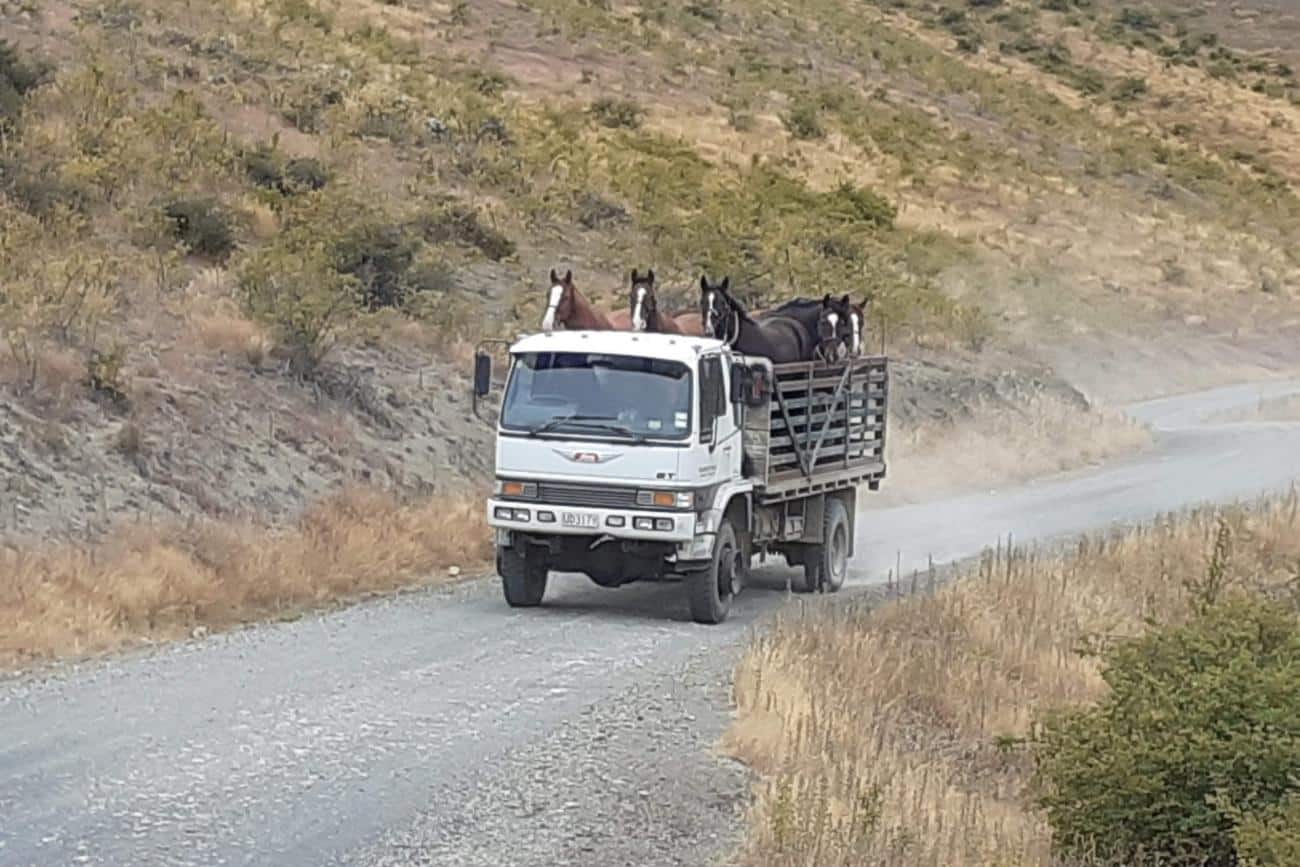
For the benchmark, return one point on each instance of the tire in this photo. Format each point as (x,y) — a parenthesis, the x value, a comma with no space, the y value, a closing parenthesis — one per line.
(827,565)
(711,590)
(523,578)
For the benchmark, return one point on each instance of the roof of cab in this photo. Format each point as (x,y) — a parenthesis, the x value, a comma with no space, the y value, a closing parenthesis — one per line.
(671,347)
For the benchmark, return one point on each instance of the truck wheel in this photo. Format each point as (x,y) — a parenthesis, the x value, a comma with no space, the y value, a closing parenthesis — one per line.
(827,565)
(523,578)
(710,590)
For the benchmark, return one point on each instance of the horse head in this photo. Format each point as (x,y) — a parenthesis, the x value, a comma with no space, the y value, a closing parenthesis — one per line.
(559,301)
(858,321)
(720,310)
(831,329)
(644,305)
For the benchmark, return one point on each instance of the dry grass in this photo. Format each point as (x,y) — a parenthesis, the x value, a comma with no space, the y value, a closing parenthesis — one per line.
(889,736)
(161,582)
(1040,435)
(1274,409)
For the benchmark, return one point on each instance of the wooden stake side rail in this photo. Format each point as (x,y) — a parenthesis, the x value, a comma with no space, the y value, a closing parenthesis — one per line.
(823,429)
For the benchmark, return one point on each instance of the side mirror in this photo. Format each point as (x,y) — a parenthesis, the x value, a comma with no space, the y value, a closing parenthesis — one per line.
(482,374)
(739,379)
(758,386)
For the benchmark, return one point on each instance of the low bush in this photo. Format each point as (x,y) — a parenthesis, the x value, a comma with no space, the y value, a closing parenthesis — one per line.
(202,225)
(459,224)
(18,76)
(803,120)
(267,169)
(303,297)
(1195,750)
(616,113)
(379,256)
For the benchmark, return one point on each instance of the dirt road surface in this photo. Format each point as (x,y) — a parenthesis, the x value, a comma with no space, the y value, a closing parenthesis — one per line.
(440,727)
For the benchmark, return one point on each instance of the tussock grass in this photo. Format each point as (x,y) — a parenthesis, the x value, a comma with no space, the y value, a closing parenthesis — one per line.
(893,735)
(159,582)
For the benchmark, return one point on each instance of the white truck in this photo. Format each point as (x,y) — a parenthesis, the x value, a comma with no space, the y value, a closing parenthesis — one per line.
(639,456)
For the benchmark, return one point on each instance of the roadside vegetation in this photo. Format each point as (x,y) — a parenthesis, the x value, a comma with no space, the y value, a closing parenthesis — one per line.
(1134,700)
(155,582)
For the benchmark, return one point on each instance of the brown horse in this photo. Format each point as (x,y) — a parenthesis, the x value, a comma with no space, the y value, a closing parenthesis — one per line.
(644,304)
(568,308)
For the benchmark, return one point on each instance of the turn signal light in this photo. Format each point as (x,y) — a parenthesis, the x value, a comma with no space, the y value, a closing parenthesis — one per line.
(519,489)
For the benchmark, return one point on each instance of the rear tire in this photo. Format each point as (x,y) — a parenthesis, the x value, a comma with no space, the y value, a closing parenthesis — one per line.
(711,590)
(826,566)
(523,578)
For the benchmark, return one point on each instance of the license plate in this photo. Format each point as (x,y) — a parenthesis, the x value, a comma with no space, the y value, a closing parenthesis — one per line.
(581,520)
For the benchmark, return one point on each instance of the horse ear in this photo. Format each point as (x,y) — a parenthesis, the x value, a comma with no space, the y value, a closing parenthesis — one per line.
(826,300)
(845,300)
(726,283)
(704,283)
(568,276)
(555,278)
(650,275)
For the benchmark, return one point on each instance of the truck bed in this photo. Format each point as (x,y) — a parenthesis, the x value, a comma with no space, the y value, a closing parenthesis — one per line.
(822,429)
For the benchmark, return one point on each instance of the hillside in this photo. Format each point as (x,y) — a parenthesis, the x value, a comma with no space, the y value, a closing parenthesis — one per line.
(244,248)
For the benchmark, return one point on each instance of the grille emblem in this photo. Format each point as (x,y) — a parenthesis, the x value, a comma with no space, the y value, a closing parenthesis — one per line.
(587,457)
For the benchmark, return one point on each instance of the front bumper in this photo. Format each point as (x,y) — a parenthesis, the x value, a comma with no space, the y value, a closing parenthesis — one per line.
(529,517)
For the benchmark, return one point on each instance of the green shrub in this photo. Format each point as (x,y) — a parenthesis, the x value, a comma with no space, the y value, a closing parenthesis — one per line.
(462,225)
(378,256)
(304,173)
(17,78)
(202,225)
(266,168)
(262,166)
(1142,20)
(1129,89)
(859,205)
(616,113)
(1201,730)
(804,120)
(302,296)
(1270,837)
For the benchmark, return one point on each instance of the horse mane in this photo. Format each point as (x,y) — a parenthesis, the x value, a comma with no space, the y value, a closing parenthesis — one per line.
(737,306)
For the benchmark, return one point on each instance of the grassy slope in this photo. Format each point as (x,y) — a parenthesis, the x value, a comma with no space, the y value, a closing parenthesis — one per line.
(894,735)
(1086,178)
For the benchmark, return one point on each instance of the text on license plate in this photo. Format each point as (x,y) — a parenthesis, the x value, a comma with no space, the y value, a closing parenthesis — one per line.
(579,519)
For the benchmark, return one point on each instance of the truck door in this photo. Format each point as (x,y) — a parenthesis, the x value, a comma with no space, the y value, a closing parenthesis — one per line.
(719,424)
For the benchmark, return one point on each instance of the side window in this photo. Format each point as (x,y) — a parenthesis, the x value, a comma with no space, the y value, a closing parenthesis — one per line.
(712,395)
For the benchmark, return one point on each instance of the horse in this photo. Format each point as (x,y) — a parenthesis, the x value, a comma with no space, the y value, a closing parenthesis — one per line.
(830,319)
(569,308)
(643,309)
(778,337)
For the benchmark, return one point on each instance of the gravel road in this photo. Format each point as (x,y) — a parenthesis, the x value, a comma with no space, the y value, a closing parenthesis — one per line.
(440,727)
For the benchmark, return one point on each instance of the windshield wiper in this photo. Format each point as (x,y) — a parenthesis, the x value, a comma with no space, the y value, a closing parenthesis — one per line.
(596,422)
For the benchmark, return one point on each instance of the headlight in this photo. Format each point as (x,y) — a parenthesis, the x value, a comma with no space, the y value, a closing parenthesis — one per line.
(518,490)
(666,499)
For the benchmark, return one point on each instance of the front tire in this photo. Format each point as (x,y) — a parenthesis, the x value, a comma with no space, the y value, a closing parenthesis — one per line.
(711,590)
(523,578)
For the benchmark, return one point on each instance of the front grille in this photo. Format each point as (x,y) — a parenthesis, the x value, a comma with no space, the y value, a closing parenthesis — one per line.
(557,494)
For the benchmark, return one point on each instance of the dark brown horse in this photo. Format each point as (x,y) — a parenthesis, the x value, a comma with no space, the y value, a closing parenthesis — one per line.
(782,338)
(568,308)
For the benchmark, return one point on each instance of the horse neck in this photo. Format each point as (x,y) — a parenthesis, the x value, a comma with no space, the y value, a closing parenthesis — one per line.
(584,316)
(661,322)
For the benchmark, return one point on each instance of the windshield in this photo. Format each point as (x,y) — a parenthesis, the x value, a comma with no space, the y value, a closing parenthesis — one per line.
(598,395)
